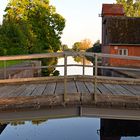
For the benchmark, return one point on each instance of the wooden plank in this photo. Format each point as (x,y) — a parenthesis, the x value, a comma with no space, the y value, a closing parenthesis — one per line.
(32,56)
(50,89)
(28,90)
(90,87)
(116,89)
(59,88)
(102,79)
(118,56)
(136,87)
(17,91)
(32,80)
(118,80)
(38,90)
(61,54)
(81,87)
(123,90)
(71,87)
(112,88)
(6,90)
(2,90)
(103,89)
(131,89)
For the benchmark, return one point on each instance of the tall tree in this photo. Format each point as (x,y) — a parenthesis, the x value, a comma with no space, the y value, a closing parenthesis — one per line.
(36,27)
(131,7)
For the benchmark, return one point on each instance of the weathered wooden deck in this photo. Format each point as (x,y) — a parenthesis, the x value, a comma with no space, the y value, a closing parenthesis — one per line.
(79,91)
(73,87)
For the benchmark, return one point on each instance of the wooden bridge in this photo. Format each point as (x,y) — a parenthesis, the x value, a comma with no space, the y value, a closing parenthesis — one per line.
(84,95)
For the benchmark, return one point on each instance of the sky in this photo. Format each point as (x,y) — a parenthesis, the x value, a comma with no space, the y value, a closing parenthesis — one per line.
(82,18)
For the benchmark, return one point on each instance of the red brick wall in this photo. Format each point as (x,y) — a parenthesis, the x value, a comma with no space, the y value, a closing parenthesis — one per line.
(132,51)
(106,50)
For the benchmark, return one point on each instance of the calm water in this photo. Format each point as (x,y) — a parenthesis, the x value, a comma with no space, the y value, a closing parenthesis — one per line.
(74,70)
(71,128)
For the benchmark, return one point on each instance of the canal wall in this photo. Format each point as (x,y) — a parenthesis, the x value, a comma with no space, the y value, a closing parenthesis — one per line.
(23,70)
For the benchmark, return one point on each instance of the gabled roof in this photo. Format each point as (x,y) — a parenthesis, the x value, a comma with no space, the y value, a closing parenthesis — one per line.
(112,10)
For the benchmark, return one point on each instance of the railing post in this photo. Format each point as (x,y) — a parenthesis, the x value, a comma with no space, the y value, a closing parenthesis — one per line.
(96,65)
(95,75)
(4,70)
(83,65)
(65,76)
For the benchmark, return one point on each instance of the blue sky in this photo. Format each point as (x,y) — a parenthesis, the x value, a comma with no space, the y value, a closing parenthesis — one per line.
(82,20)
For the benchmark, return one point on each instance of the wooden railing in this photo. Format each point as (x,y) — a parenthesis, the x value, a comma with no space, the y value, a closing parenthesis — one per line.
(65,55)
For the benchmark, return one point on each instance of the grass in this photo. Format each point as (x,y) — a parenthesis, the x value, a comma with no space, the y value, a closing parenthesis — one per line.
(10,63)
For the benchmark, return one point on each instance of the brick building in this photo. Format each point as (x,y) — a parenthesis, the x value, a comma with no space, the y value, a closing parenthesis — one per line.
(120,35)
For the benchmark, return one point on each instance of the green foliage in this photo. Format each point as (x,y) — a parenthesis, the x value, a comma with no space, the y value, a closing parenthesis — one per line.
(131,7)
(78,59)
(64,47)
(50,70)
(9,39)
(30,26)
(76,46)
(96,47)
(10,63)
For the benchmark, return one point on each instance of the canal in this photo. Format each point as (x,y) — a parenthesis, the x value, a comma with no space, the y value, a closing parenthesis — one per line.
(74,128)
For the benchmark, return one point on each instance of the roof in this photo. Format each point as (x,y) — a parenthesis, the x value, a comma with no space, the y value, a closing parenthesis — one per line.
(113,9)
(123,30)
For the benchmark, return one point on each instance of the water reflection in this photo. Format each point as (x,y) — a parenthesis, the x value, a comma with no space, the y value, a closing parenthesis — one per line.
(117,129)
(71,129)
(62,129)
(79,59)
(2,127)
(74,70)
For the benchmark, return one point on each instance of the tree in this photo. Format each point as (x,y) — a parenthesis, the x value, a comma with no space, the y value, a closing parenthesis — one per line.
(12,39)
(82,45)
(85,44)
(137,8)
(76,46)
(36,27)
(96,47)
(64,47)
(131,7)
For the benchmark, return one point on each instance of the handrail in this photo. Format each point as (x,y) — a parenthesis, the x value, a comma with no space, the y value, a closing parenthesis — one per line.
(32,56)
(95,65)
(61,54)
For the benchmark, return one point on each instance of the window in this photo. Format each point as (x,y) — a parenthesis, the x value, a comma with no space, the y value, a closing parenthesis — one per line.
(123,51)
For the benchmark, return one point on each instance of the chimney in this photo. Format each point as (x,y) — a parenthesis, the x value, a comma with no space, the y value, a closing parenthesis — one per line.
(112,10)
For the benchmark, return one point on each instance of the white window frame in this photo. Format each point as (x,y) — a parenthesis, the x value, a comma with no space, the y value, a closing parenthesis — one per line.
(123,52)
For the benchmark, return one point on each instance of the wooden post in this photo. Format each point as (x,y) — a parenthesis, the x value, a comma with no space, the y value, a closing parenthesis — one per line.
(83,65)
(96,65)
(95,75)
(4,69)
(65,76)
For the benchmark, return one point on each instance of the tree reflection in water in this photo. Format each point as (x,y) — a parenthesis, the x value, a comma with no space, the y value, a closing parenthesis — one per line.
(50,71)
(79,59)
